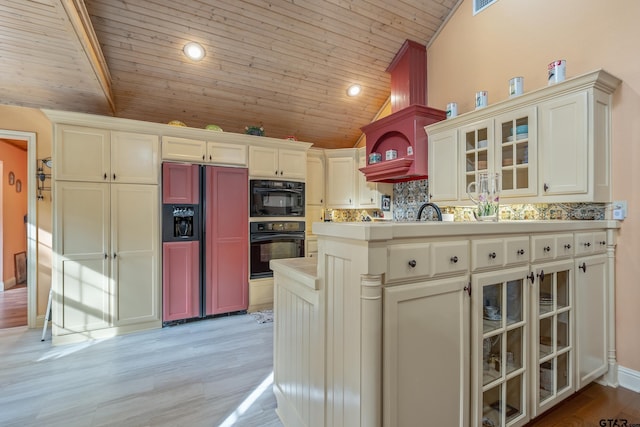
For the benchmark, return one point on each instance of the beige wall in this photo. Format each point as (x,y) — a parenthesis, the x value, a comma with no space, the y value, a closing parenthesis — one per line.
(14,207)
(519,38)
(30,120)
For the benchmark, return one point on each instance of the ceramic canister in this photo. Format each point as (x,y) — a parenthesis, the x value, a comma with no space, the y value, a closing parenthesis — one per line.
(452,110)
(557,71)
(482,99)
(516,86)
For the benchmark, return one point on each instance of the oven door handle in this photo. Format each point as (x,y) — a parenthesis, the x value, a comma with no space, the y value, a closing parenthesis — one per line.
(277,236)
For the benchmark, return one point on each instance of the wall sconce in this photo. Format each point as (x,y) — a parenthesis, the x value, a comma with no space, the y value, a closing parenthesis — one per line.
(42,176)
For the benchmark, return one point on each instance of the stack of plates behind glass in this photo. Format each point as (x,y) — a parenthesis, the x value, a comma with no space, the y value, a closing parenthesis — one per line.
(546,299)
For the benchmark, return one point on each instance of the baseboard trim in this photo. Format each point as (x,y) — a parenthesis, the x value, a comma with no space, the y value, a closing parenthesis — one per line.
(7,284)
(628,378)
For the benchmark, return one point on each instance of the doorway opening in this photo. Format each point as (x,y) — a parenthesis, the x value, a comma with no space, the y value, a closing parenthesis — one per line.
(30,221)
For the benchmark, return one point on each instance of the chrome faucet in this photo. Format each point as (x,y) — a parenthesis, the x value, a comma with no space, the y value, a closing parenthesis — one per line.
(435,208)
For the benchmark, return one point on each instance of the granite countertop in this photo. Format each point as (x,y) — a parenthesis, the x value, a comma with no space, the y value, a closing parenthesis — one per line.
(398,230)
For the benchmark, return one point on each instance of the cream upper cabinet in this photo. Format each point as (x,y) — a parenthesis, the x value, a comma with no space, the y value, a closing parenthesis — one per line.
(549,145)
(81,154)
(226,154)
(183,149)
(98,155)
(341,178)
(315,188)
(564,145)
(135,158)
(279,163)
(444,164)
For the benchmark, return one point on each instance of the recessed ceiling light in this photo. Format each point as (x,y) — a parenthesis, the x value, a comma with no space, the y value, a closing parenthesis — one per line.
(354,90)
(194,51)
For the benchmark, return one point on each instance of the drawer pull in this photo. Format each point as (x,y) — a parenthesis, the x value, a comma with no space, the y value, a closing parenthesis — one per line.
(492,255)
(567,246)
(454,259)
(602,243)
(531,277)
(412,263)
(547,249)
(583,267)
(541,275)
(520,252)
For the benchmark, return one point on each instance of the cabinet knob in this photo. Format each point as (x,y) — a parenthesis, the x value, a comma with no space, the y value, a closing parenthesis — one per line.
(321,201)
(531,277)
(583,267)
(567,246)
(541,275)
(603,243)
(546,187)
(106,256)
(114,255)
(281,172)
(520,252)
(588,244)
(412,263)
(547,249)
(105,176)
(203,157)
(114,176)
(210,157)
(454,259)
(492,255)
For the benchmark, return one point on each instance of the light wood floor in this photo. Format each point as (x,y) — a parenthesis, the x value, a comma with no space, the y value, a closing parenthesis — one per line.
(195,374)
(13,307)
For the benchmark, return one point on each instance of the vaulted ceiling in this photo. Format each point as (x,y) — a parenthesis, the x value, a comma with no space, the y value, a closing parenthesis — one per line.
(282,64)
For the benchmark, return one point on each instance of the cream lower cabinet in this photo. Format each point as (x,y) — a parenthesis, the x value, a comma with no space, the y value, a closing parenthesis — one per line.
(500,348)
(107,262)
(552,335)
(426,335)
(592,296)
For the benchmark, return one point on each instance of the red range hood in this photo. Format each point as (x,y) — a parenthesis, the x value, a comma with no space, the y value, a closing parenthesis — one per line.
(403,130)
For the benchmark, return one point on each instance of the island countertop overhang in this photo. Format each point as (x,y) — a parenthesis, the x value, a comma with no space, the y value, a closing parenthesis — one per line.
(365,231)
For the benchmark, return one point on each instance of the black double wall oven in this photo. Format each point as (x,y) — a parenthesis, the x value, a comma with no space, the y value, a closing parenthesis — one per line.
(281,234)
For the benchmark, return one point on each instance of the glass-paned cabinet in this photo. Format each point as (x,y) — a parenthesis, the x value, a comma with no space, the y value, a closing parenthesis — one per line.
(478,157)
(500,351)
(552,340)
(515,151)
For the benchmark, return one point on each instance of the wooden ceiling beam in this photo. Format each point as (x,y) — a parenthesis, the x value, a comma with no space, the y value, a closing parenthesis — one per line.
(79,19)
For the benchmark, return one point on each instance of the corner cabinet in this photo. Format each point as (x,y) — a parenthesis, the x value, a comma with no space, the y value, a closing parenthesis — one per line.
(549,145)
(341,178)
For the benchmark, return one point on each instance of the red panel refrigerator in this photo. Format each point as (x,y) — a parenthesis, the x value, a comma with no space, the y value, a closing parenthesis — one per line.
(205,241)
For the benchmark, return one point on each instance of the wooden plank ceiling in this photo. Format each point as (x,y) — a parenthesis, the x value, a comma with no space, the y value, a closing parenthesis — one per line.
(283,64)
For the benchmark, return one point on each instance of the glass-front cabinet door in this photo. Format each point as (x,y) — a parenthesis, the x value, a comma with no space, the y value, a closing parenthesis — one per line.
(500,353)
(515,151)
(552,340)
(476,140)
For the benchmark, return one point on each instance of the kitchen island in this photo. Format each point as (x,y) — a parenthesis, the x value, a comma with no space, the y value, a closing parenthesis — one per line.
(404,324)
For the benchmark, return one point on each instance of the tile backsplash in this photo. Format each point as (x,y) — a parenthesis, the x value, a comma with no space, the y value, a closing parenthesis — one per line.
(409,196)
